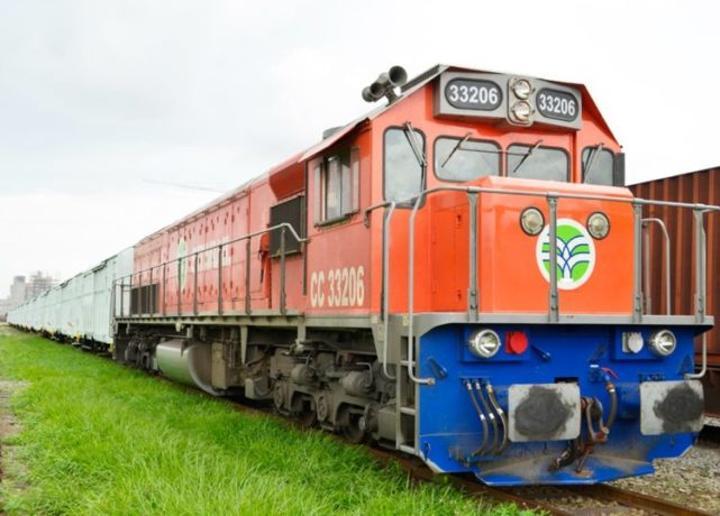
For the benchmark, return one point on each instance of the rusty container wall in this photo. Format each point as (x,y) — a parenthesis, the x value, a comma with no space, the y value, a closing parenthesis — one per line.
(695,187)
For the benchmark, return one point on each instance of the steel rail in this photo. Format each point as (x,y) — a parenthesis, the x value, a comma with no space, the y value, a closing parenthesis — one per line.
(419,472)
(636,500)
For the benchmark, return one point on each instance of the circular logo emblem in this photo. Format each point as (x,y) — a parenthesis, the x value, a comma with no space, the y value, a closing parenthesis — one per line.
(575,254)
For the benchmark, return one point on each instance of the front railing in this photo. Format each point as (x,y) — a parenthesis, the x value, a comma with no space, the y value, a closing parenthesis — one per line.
(553,314)
(146,302)
(145,292)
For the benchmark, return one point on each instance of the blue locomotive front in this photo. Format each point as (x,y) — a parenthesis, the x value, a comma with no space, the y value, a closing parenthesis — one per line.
(539,404)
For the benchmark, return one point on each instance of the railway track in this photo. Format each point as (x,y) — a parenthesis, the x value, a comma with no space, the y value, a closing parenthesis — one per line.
(551,500)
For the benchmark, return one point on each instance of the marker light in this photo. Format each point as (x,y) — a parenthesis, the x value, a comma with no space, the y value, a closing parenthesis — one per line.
(522,89)
(598,225)
(516,342)
(521,111)
(663,343)
(532,221)
(632,342)
(484,343)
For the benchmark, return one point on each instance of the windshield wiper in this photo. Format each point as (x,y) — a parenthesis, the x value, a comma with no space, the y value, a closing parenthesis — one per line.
(526,156)
(591,160)
(454,149)
(410,135)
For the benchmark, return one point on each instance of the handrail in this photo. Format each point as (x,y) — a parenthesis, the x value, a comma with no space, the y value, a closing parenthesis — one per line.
(552,198)
(411,294)
(229,242)
(553,294)
(704,366)
(637,263)
(553,309)
(472,291)
(386,286)
(700,265)
(700,286)
(668,284)
(373,207)
(587,197)
(283,227)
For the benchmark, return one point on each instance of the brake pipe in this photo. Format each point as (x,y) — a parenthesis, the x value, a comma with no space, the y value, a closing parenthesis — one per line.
(501,416)
(481,415)
(491,416)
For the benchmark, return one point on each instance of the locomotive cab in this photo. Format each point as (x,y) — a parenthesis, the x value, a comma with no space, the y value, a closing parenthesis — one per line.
(521,361)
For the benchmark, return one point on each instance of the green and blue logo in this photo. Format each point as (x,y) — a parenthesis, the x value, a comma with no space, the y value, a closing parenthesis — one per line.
(575,254)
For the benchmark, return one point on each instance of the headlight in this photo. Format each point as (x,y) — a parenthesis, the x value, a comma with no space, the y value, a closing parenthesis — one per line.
(632,342)
(532,221)
(663,343)
(521,110)
(522,89)
(484,343)
(598,225)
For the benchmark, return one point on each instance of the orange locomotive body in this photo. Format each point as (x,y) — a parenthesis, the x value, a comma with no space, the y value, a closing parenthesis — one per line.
(396,282)
(347,241)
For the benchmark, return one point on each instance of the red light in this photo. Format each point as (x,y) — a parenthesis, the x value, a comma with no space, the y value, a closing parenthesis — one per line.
(516,342)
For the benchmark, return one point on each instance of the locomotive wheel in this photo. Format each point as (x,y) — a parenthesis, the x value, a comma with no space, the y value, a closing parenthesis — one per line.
(352,425)
(303,410)
(323,407)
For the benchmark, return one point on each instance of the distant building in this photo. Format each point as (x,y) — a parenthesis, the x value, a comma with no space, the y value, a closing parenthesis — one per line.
(38,284)
(18,291)
(22,290)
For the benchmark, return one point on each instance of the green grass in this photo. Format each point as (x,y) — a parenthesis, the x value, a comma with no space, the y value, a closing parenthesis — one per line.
(98,438)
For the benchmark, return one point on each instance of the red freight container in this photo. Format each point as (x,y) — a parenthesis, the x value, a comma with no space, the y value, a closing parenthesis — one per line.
(703,187)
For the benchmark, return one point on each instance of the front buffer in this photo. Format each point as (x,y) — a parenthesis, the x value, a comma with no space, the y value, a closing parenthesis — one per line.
(556,404)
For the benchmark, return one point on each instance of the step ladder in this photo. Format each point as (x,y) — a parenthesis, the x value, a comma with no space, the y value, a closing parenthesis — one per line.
(406,399)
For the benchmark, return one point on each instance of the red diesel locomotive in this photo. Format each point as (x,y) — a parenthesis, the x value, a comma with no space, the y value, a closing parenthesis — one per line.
(396,283)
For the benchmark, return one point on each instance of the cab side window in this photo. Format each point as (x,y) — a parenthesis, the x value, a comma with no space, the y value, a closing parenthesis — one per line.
(404,167)
(337,185)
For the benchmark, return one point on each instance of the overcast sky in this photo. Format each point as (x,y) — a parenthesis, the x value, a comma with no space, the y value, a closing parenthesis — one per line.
(102,102)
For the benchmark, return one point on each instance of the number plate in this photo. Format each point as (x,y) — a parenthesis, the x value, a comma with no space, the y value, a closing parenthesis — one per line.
(473,94)
(558,105)
(489,96)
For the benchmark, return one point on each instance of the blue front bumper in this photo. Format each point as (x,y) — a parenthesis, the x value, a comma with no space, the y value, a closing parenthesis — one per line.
(452,437)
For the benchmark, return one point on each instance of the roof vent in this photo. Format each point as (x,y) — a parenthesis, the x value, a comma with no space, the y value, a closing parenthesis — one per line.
(385,84)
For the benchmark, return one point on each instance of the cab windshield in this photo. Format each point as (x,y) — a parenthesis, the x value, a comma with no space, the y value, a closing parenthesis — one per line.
(465,160)
(537,162)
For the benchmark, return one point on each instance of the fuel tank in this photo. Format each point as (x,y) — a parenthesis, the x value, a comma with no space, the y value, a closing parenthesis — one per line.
(187,362)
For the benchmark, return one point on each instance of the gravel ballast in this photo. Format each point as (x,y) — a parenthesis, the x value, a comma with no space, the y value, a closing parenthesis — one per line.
(692,480)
